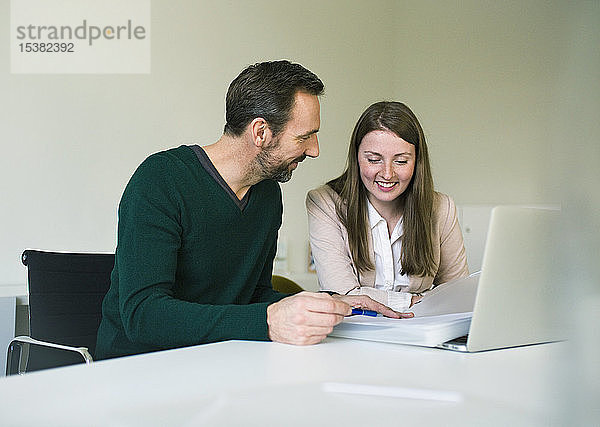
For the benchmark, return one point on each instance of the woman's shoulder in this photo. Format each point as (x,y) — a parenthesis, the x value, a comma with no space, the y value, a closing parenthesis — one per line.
(443,208)
(442,202)
(322,194)
(322,200)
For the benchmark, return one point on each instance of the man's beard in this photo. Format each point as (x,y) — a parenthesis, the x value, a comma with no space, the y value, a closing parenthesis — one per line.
(269,166)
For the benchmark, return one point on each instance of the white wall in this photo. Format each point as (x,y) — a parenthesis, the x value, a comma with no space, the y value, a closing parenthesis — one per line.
(483,77)
(71,142)
(575,163)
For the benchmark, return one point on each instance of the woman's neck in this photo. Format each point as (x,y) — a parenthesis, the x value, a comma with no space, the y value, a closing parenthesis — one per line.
(390,211)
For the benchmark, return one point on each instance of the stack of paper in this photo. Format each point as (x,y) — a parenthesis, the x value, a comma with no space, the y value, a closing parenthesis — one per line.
(443,314)
(427,331)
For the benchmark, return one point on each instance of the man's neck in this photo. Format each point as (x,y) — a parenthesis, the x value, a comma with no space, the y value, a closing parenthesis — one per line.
(233,159)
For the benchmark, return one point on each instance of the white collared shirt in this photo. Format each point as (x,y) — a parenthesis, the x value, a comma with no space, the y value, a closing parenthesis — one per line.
(388,249)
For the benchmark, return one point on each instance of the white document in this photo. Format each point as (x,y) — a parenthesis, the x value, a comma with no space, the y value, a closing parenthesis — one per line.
(443,314)
(426,331)
(456,296)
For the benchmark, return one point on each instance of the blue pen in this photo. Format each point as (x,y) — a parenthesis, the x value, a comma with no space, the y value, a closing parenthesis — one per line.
(362,312)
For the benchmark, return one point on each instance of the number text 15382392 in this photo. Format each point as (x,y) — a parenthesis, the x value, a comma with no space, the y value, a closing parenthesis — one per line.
(47,47)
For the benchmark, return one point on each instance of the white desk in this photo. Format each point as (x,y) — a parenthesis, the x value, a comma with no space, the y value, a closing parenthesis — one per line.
(256,383)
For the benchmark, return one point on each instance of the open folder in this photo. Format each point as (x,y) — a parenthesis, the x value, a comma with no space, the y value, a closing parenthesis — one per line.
(443,314)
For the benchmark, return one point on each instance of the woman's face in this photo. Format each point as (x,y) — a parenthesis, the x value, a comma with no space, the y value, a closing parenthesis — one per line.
(386,163)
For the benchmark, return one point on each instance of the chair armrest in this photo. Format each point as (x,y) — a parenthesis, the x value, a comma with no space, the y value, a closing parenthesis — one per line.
(23,339)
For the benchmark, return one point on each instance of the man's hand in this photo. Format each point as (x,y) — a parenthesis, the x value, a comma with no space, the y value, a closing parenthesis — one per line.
(305,318)
(365,302)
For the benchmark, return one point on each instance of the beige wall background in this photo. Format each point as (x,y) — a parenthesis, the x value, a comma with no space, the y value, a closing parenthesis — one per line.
(508,94)
(487,79)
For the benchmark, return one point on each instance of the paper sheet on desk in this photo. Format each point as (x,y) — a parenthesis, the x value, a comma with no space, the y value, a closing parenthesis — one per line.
(425,331)
(443,314)
(456,296)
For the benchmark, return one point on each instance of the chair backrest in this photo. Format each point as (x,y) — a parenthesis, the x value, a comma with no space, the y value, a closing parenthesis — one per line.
(285,285)
(66,291)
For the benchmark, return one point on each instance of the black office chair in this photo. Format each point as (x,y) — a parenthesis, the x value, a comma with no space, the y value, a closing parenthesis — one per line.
(65,308)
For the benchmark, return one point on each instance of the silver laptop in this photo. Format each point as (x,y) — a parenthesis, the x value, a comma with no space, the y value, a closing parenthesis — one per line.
(519,295)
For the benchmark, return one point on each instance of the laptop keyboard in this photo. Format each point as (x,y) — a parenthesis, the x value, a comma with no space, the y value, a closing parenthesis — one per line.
(459,340)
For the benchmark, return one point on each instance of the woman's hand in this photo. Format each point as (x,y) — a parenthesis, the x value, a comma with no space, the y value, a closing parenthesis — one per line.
(364,302)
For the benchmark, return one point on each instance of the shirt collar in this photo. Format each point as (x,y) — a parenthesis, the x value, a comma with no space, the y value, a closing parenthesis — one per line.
(374,217)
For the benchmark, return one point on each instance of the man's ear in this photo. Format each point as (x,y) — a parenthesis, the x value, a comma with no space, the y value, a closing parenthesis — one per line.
(259,129)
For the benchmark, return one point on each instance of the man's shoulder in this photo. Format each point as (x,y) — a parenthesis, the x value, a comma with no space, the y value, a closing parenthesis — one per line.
(166,162)
(163,169)
(170,156)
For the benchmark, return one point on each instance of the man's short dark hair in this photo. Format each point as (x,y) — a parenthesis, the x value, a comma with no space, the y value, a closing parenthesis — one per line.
(267,90)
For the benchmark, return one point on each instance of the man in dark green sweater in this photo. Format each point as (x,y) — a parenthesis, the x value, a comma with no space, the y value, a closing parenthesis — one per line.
(198,229)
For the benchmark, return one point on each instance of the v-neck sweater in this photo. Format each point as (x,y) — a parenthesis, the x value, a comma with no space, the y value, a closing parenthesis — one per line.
(212,171)
(191,267)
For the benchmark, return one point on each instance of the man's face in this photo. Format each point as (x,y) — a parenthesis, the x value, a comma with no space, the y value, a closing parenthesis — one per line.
(295,142)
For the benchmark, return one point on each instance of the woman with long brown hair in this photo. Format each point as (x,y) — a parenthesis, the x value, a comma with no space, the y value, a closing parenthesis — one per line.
(380,229)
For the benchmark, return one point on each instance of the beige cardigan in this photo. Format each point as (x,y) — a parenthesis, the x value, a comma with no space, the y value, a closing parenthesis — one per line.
(336,270)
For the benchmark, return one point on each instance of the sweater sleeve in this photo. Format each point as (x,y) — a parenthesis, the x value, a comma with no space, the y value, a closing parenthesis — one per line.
(149,238)
(333,261)
(264,290)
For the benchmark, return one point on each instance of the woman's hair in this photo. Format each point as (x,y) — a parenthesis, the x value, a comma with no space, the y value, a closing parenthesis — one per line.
(417,246)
